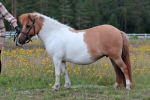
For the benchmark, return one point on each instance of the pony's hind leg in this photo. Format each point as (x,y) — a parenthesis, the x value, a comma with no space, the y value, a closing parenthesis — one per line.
(64,70)
(119,75)
(120,63)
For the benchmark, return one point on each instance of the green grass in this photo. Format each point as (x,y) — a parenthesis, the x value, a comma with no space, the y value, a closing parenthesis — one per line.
(28,74)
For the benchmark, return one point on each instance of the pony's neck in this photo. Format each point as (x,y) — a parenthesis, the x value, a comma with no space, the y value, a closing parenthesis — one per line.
(50,29)
(53,24)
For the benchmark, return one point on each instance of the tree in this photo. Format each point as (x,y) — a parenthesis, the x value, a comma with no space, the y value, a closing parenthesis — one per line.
(54,10)
(82,19)
(66,11)
(92,13)
(127,15)
(113,20)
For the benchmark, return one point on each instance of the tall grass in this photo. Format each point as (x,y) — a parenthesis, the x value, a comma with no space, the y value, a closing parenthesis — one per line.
(29,74)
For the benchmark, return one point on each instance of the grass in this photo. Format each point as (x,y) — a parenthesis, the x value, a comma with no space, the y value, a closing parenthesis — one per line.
(28,74)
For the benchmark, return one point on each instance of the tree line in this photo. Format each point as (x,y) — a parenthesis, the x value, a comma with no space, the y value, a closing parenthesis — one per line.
(130,16)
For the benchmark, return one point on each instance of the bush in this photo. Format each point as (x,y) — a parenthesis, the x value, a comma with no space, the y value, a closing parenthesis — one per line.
(10,35)
(133,37)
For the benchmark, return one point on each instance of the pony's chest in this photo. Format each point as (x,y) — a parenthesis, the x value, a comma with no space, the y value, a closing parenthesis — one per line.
(55,50)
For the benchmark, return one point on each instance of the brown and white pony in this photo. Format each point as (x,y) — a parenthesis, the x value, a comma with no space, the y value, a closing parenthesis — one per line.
(79,46)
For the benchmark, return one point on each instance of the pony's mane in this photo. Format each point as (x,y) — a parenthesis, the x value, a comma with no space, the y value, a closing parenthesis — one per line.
(40,20)
(52,20)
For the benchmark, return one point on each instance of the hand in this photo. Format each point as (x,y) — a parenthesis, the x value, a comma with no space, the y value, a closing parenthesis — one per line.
(17,30)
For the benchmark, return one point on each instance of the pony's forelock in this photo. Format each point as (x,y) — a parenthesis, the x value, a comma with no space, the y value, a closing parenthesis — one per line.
(24,18)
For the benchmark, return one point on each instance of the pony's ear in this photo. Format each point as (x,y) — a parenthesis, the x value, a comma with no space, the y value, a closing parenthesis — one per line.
(30,17)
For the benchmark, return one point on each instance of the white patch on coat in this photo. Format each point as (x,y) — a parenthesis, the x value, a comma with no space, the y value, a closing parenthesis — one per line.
(128,85)
(64,44)
(116,85)
(128,82)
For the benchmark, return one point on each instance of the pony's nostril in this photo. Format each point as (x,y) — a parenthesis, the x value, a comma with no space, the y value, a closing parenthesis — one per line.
(19,40)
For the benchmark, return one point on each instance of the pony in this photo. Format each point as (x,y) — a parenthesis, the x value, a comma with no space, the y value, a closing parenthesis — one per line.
(65,44)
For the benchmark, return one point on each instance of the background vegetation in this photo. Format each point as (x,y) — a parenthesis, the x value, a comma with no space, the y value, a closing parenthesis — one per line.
(131,16)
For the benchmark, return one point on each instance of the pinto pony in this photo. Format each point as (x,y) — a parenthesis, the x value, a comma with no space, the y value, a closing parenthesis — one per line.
(79,46)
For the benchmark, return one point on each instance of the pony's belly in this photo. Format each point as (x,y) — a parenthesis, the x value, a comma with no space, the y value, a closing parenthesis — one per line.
(78,59)
(83,62)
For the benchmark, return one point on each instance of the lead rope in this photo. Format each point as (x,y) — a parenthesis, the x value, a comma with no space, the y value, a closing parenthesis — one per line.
(16,36)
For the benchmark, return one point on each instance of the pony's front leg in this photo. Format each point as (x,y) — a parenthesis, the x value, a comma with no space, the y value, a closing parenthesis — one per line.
(67,80)
(57,64)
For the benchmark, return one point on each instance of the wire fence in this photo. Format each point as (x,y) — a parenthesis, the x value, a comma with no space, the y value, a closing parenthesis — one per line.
(11,35)
(141,35)
(130,35)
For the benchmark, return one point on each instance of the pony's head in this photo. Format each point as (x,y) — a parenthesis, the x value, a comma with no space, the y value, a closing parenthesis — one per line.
(31,24)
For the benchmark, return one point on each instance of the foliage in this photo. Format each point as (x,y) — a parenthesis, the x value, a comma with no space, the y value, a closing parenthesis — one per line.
(10,35)
(131,16)
(66,11)
(82,19)
(133,37)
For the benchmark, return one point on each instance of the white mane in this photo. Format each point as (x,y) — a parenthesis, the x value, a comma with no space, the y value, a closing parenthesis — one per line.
(51,20)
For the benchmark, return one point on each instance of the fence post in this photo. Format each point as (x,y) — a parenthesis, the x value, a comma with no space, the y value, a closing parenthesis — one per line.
(145,35)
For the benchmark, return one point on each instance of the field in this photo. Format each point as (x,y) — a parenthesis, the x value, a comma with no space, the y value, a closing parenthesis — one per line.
(28,74)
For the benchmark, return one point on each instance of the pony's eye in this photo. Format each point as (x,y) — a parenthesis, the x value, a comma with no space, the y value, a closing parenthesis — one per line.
(28,26)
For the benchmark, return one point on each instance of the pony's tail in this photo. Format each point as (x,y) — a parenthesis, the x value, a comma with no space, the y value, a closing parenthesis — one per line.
(126,56)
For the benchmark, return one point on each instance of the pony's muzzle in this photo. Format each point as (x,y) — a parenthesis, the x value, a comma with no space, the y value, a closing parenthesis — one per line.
(21,41)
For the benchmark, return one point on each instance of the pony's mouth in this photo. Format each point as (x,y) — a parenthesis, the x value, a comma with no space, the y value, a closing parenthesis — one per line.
(22,41)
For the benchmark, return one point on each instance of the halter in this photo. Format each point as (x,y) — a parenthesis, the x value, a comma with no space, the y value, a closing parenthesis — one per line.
(29,39)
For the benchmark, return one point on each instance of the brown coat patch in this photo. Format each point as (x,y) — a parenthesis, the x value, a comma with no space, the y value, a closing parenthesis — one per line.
(103,40)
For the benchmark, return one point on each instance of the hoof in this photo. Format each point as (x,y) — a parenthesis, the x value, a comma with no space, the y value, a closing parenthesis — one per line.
(66,87)
(55,88)
(117,86)
(128,87)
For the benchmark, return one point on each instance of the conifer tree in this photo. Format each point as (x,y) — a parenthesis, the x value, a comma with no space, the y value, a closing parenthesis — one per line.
(82,20)
(127,15)
(54,10)
(113,20)
(66,11)
(92,13)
